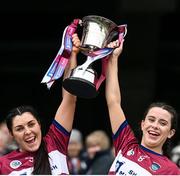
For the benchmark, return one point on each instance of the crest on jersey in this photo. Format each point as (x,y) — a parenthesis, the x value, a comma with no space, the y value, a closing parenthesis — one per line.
(15,164)
(155,166)
(130,152)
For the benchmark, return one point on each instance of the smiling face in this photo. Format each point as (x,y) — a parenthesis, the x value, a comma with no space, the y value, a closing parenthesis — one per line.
(156,129)
(27,132)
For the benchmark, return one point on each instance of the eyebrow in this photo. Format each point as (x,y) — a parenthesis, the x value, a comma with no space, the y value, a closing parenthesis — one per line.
(159,119)
(164,120)
(151,116)
(27,123)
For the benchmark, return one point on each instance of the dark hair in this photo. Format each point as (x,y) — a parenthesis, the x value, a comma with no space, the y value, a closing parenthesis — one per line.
(41,161)
(174,121)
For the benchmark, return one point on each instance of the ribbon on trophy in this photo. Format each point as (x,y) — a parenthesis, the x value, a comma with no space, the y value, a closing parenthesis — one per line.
(58,65)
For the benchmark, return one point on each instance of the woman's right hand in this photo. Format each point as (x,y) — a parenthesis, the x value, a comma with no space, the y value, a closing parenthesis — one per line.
(76,43)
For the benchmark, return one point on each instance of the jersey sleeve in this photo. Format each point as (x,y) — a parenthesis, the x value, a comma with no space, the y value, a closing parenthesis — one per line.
(124,138)
(57,138)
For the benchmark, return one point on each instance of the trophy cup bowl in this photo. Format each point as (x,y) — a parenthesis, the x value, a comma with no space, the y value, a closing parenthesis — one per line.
(97,33)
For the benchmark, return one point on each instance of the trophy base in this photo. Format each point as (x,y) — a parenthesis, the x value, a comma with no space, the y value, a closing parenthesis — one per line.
(80,87)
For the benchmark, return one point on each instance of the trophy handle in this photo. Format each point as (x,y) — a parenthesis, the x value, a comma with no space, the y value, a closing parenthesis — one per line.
(122,29)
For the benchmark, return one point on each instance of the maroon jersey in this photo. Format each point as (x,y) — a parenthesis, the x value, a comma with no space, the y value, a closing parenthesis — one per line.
(133,159)
(21,163)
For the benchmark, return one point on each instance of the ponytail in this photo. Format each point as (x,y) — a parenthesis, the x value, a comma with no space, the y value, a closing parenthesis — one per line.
(41,161)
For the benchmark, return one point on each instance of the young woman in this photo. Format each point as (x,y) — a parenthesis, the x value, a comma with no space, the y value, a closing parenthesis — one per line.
(37,154)
(157,127)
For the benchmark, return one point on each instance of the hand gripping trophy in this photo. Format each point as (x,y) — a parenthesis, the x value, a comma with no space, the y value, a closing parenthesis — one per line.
(83,81)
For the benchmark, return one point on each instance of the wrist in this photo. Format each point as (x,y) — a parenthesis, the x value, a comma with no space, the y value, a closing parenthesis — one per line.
(73,53)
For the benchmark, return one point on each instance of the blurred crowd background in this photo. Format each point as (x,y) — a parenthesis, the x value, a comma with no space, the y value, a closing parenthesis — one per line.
(30,37)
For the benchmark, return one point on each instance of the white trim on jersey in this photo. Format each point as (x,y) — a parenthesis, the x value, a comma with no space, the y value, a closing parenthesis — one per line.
(60,164)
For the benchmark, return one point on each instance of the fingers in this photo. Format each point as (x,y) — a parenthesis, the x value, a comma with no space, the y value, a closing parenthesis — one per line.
(113,44)
(117,46)
(76,40)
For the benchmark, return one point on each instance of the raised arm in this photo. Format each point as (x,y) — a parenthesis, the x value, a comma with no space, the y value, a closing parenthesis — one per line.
(66,110)
(113,95)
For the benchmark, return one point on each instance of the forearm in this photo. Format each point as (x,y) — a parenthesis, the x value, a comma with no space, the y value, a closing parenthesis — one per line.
(65,113)
(113,95)
(66,110)
(112,82)
(71,65)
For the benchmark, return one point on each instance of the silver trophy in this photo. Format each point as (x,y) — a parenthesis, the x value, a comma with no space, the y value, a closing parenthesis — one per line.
(97,32)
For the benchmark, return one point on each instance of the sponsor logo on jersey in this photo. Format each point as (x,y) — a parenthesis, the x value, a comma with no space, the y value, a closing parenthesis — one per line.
(142,157)
(155,166)
(30,158)
(131,172)
(54,167)
(24,173)
(15,164)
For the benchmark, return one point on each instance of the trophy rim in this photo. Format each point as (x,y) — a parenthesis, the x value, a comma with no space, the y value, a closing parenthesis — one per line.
(105,24)
(91,17)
